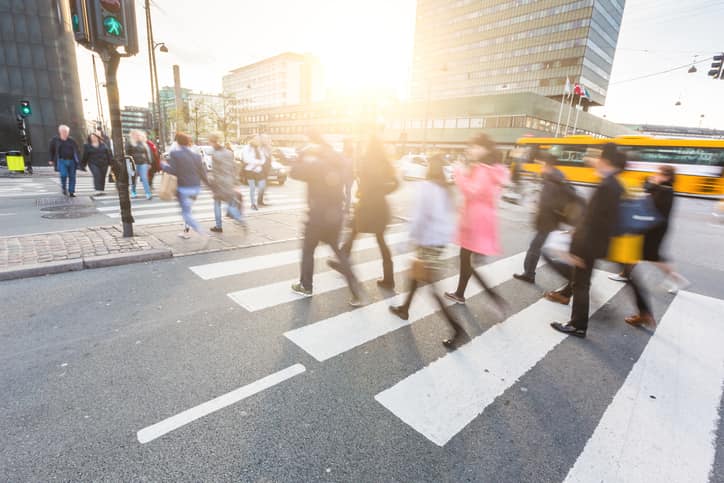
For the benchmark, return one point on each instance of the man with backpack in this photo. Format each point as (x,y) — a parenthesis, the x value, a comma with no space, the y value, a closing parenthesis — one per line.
(558,203)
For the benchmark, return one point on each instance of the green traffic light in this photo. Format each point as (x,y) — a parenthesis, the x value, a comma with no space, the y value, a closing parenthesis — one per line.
(25,109)
(76,22)
(112,26)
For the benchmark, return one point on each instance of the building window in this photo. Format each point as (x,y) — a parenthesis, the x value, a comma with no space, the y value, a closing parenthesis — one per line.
(463,123)
(477,123)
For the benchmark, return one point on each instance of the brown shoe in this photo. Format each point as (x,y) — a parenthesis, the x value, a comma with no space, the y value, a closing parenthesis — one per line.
(641,319)
(558,298)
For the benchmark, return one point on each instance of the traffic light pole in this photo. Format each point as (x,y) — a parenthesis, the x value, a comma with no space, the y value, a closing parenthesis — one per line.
(111,59)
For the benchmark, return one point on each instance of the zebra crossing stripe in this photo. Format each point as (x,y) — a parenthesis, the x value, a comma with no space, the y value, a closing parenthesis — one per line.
(662,423)
(335,335)
(263,297)
(142,204)
(439,400)
(209,215)
(209,204)
(240,266)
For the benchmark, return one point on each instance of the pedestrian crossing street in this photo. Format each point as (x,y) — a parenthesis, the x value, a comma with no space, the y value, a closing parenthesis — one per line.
(639,437)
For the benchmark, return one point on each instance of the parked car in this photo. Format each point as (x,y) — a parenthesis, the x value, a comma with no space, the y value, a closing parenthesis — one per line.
(206,153)
(278,172)
(414,166)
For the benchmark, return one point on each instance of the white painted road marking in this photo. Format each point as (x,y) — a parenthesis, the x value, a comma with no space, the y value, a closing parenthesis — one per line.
(265,296)
(439,400)
(157,430)
(239,266)
(199,205)
(335,335)
(672,437)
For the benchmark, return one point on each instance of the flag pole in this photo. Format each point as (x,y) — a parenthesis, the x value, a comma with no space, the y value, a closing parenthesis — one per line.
(560,114)
(570,108)
(578,111)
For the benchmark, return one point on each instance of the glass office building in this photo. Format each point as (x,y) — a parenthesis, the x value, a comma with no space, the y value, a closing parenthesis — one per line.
(472,47)
(37,63)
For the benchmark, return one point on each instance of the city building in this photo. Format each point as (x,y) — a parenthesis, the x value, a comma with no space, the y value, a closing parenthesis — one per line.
(38,64)
(133,117)
(445,124)
(173,121)
(466,48)
(676,132)
(283,80)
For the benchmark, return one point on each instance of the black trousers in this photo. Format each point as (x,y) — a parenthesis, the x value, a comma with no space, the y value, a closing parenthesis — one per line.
(581,288)
(639,292)
(533,254)
(387,267)
(467,271)
(313,235)
(99,175)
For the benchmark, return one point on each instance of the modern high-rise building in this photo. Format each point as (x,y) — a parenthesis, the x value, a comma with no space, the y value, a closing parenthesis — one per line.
(472,47)
(133,117)
(38,64)
(283,80)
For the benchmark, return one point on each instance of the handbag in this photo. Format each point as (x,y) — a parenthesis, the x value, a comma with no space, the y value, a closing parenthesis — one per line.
(169,187)
(637,216)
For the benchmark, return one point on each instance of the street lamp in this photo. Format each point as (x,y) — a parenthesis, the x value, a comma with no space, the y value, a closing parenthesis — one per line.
(161,124)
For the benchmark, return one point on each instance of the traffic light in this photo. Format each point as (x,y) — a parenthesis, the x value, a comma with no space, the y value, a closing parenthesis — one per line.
(24,109)
(23,135)
(79,20)
(114,23)
(716,67)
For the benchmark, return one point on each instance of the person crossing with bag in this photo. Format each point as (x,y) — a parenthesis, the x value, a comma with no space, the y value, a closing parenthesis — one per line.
(376,180)
(431,228)
(225,184)
(97,157)
(480,182)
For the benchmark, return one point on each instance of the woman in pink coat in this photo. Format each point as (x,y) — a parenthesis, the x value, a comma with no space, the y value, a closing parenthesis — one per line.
(480,183)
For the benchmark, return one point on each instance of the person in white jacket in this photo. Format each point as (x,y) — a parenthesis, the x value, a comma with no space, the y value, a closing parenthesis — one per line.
(431,228)
(254,158)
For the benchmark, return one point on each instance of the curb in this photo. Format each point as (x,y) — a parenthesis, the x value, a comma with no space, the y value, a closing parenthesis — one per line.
(39,269)
(101,261)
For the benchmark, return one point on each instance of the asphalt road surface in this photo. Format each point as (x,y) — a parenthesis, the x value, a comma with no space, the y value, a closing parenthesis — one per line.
(206,368)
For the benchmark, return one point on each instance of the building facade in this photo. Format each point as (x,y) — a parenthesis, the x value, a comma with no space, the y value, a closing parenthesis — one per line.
(445,124)
(676,132)
(141,118)
(38,64)
(467,48)
(283,80)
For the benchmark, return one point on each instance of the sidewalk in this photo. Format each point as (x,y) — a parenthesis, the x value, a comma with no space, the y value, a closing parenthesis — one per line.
(103,246)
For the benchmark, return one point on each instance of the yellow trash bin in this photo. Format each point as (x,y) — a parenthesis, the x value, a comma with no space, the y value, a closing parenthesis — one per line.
(16,162)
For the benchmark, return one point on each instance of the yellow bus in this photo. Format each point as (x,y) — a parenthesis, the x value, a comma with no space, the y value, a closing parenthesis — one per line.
(699,162)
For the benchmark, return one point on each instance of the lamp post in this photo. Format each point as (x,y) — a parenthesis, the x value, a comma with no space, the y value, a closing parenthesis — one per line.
(155,94)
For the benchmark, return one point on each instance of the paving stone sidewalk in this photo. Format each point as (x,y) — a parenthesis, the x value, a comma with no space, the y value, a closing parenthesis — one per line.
(45,253)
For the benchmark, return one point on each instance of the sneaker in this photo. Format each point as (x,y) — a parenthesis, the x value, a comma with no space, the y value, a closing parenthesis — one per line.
(356,301)
(216,229)
(619,277)
(455,297)
(254,207)
(99,193)
(65,192)
(400,311)
(524,278)
(299,288)
(184,234)
(72,195)
(678,282)
(148,197)
(133,194)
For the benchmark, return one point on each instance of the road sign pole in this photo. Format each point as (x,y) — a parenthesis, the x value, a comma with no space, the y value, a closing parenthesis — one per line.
(111,60)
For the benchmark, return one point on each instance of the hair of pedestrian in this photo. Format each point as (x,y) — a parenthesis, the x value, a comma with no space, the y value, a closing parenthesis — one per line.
(183,139)
(94,135)
(609,153)
(546,157)
(620,160)
(494,155)
(668,171)
(436,170)
(63,128)
(375,154)
(214,137)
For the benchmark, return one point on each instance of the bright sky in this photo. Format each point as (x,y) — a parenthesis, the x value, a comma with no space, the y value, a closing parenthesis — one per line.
(369,43)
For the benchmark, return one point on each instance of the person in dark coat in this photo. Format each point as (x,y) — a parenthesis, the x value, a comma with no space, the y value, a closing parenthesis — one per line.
(661,189)
(548,217)
(591,240)
(65,157)
(142,158)
(97,156)
(376,179)
(321,168)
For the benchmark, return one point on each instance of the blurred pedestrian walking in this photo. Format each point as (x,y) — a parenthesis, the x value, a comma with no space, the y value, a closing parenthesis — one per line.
(321,168)
(376,179)
(65,157)
(254,159)
(141,154)
(266,148)
(154,157)
(97,156)
(225,183)
(558,202)
(186,165)
(431,228)
(348,162)
(590,241)
(480,182)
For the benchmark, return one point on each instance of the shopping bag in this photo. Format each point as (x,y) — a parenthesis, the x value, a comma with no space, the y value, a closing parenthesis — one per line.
(638,216)
(558,246)
(169,187)
(626,249)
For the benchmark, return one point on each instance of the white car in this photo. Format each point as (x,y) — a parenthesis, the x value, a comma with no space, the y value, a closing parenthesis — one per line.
(206,153)
(414,166)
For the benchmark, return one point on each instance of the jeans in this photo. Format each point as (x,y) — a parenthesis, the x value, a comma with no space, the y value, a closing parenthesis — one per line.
(143,173)
(313,235)
(67,174)
(533,254)
(99,175)
(233,209)
(185,195)
(252,189)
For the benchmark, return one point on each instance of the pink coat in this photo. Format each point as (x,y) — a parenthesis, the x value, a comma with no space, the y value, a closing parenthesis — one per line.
(478,223)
